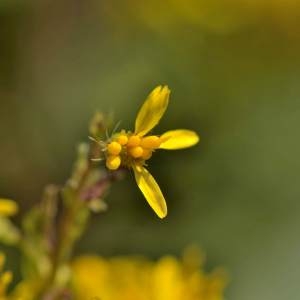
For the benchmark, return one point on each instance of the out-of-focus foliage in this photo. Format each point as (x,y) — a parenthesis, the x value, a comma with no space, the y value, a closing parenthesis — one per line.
(218,15)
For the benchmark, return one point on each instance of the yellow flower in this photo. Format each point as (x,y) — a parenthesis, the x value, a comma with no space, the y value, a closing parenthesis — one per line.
(136,278)
(5,278)
(8,207)
(133,149)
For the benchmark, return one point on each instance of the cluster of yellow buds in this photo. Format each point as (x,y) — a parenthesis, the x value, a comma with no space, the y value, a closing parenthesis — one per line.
(127,147)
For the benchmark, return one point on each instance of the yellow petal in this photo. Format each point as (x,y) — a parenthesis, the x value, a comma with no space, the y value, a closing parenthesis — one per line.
(150,190)
(178,139)
(152,110)
(8,207)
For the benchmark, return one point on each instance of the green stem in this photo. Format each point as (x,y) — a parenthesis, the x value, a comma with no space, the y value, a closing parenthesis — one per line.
(64,242)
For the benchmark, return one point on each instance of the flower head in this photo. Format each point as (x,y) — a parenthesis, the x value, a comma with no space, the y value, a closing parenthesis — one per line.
(133,149)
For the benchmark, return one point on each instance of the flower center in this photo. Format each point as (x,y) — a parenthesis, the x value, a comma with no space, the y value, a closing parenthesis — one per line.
(127,149)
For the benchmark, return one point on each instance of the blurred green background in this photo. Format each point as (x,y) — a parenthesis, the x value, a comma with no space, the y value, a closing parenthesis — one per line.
(233,68)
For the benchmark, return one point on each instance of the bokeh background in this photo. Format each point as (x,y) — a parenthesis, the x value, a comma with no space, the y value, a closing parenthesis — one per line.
(233,67)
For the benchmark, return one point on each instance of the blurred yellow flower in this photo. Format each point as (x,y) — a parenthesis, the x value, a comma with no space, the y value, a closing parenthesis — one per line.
(5,278)
(8,207)
(135,278)
(132,149)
